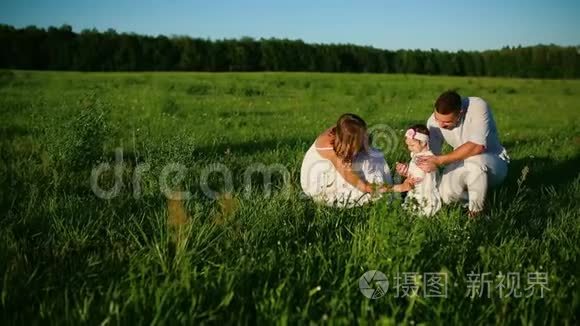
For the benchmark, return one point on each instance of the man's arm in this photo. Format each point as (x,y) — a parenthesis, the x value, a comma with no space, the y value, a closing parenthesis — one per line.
(478,129)
(461,153)
(478,126)
(469,149)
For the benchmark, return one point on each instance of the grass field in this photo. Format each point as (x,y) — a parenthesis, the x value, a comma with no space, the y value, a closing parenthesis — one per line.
(68,256)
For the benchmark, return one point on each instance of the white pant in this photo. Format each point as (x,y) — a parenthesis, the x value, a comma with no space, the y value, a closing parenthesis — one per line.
(470,179)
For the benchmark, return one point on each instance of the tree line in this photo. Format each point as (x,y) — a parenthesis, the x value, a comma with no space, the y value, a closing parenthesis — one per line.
(60,48)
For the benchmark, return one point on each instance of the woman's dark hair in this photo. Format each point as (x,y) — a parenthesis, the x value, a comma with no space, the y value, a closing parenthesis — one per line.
(448,102)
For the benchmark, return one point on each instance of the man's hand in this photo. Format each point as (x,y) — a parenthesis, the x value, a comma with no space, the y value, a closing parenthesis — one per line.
(428,163)
(402,169)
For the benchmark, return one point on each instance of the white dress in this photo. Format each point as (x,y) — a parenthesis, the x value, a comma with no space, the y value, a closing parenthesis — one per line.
(323,183)
(424,199)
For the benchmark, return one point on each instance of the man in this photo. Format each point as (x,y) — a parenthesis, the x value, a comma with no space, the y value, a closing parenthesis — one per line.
(478,160)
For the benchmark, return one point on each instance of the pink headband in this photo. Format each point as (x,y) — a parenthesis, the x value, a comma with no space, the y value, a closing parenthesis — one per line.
(410,133)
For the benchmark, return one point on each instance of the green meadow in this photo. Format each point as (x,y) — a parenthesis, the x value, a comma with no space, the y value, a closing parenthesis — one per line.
(234,247)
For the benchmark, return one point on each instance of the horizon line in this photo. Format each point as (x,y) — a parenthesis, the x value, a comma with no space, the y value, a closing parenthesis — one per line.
(254,38)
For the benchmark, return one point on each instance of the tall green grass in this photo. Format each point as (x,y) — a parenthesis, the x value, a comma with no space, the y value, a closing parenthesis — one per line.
(67,256)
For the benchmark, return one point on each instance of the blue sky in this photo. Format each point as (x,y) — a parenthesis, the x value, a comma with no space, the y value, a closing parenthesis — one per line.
(387,24)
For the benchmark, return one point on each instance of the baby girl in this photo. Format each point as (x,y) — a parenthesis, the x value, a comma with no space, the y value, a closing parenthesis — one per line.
(424,197)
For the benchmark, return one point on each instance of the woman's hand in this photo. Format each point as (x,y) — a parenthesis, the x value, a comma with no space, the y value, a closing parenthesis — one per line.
(402,169)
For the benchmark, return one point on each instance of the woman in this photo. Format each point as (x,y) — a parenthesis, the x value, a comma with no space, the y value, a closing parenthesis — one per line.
(340,169)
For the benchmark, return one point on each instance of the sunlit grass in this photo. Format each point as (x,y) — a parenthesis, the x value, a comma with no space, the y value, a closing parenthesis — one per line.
(67,255)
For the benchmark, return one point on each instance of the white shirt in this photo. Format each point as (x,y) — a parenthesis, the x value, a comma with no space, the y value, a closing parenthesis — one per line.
(476,125)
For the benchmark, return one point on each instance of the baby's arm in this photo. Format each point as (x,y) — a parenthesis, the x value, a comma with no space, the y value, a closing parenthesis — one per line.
(410,180)
(407,185)
(402,169)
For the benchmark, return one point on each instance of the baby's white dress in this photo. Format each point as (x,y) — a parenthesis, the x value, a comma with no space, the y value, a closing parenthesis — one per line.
(424,199)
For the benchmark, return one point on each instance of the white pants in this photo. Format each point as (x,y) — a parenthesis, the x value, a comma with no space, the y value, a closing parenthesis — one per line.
(322,182)
(470,179)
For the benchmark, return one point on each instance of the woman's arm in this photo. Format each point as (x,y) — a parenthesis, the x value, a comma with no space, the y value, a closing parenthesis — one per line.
(349,175)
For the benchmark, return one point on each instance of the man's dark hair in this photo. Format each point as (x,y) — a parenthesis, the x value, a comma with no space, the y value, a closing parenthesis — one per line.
(420,128)
(448,102)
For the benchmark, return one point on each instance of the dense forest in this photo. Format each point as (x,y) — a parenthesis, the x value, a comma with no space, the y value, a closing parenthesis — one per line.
(60,48)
